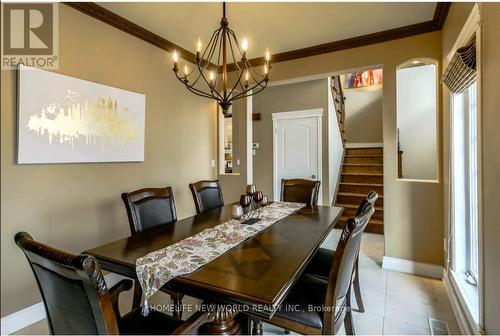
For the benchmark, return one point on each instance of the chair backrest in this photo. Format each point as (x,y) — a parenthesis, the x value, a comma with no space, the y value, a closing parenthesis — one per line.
(300,190)
(207,195)
(149,207)
(75,295)
(370,198)
(340,277)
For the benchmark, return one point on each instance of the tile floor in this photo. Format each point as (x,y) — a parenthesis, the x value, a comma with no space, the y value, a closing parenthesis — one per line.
(395,303)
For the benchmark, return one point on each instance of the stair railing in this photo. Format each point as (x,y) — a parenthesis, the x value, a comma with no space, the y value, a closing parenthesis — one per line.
(339,103)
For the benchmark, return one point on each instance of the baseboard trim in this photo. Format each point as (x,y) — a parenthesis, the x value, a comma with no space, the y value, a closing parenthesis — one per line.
(25,317)
(364,144)
(412,267)
(457,308)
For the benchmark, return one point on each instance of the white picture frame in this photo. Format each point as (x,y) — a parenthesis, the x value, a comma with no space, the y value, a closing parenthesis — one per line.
(62,119)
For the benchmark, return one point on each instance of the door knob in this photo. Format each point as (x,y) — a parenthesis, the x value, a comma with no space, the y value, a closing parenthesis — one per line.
(314,176)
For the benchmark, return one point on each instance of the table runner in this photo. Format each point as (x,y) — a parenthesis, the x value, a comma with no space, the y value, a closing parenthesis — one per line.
(157,268)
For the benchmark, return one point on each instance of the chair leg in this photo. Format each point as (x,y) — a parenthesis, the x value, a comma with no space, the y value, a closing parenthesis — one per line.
(348,321)
(136,301)
(357,289)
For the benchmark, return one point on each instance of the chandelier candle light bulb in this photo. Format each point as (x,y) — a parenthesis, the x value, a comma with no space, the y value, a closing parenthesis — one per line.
(212,77)
(244,47)
(175,57)
(218,57)
(198,45)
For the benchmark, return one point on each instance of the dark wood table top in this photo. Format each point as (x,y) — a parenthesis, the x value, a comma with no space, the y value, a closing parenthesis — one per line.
(259,271)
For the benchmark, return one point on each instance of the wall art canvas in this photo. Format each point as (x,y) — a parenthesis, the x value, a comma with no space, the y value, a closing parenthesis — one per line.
(363,79)
(62,119)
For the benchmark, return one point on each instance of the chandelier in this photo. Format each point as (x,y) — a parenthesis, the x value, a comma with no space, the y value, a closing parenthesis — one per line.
(209,76)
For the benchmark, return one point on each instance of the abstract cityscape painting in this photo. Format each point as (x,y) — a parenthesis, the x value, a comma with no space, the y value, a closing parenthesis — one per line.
(62,119)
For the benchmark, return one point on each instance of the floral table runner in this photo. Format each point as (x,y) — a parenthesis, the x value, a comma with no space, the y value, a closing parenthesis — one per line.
(157,268)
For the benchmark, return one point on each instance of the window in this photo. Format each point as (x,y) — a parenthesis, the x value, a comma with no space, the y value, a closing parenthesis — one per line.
(464,192)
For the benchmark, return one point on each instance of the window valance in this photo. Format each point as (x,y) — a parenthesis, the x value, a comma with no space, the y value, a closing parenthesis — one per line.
(461,72)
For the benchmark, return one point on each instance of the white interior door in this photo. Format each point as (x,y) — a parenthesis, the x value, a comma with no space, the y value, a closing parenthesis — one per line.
(297,147)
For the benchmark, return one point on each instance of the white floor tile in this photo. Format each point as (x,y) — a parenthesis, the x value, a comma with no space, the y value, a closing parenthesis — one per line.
(393,327)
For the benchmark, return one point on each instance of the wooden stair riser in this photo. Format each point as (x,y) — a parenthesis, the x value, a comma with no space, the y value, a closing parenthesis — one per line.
(361,151)
(355,199)
(377,179)
(374,168)
(351,212)
(361,188)
(364,159)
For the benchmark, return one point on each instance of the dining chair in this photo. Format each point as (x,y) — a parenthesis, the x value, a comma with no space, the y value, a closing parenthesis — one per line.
(322,260)
(148,208)
(300,190)
(207,195)
(330,299)
(78,301)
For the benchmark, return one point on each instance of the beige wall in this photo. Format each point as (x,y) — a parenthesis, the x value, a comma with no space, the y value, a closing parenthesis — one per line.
(363,114)
(491,164)
(78,206)
(413,212)
(284,98)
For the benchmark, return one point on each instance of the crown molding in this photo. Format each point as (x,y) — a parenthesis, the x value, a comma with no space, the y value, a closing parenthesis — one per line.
(436,24)
(440,13)
(102,14)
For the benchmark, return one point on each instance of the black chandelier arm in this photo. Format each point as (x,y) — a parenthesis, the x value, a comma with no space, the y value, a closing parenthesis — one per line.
(212,88)
(235,40)
(232,52)
(246,93)
(202,94)
(197,79)
(215,33)
(261,87)
(249,66)
(219,56)
(238,81)
(245,64)
(211,53)
(195,90)
(257,85)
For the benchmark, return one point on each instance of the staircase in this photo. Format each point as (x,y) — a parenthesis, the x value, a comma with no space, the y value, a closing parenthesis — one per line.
(362,171)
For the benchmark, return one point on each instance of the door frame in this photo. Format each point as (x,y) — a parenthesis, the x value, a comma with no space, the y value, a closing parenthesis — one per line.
(313,113)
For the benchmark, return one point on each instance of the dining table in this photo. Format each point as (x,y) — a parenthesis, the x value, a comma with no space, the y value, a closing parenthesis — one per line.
(249,281)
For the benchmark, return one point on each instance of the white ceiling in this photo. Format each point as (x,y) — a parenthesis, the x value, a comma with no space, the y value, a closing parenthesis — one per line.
(277,26)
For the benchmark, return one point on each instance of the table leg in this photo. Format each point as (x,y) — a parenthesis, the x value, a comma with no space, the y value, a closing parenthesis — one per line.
(257,326)
(177,299)
(246,324)
(225,322)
